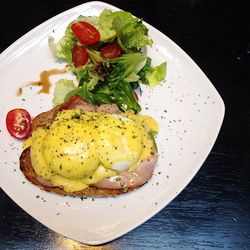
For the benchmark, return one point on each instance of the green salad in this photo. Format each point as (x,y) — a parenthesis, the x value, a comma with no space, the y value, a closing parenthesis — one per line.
(107,55)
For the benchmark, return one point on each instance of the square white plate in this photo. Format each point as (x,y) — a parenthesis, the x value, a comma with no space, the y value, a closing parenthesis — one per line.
(187,107)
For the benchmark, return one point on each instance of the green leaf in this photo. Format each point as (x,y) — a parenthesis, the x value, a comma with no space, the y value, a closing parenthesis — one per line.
(73,92)
(62,87)
(126,67)
(143,72)
(156,75)
(63,48)
(106,26)
(132,35)
(86,75)
(124,97)
(83,92)
(95,56)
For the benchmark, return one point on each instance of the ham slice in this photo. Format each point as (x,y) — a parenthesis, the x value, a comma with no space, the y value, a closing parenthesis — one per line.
(75,102)
(127,179)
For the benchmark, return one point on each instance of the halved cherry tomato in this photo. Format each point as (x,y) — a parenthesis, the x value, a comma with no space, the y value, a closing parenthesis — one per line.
(79,55)
(110,51)
(85,33)
(136,96)
(18,123)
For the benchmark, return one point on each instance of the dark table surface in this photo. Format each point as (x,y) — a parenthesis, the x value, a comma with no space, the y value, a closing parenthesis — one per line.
(214,209)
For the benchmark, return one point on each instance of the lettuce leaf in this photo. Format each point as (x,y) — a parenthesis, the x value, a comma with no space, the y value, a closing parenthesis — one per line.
(62,87)
(152,76)
(63,48)
(124,97)
(143,72)
(83,92)
(106,26)
(86,74)
(87,79)
(132,35)
(126,67)
(156,75)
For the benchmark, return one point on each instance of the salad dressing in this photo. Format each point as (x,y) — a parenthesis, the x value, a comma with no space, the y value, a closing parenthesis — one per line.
(44,81)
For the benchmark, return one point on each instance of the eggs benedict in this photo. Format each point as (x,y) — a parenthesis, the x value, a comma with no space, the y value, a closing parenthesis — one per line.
(81,149)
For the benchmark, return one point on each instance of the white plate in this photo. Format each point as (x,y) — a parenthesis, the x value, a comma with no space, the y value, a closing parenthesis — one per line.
(187,107)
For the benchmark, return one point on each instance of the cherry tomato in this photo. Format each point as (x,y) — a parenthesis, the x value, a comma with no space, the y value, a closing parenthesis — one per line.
(85,33)
(136,96)
(110,51)
(79,55)
(18,123)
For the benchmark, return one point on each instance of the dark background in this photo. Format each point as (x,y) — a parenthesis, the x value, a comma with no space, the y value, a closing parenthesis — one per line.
(214,210)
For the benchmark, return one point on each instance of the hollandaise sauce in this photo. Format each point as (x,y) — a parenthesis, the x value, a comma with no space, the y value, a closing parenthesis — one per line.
(81,148)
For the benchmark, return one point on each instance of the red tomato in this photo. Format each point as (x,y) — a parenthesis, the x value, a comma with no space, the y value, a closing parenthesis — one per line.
(110,51)
(79,55)
(136,96)
(85,33)
(18,123)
